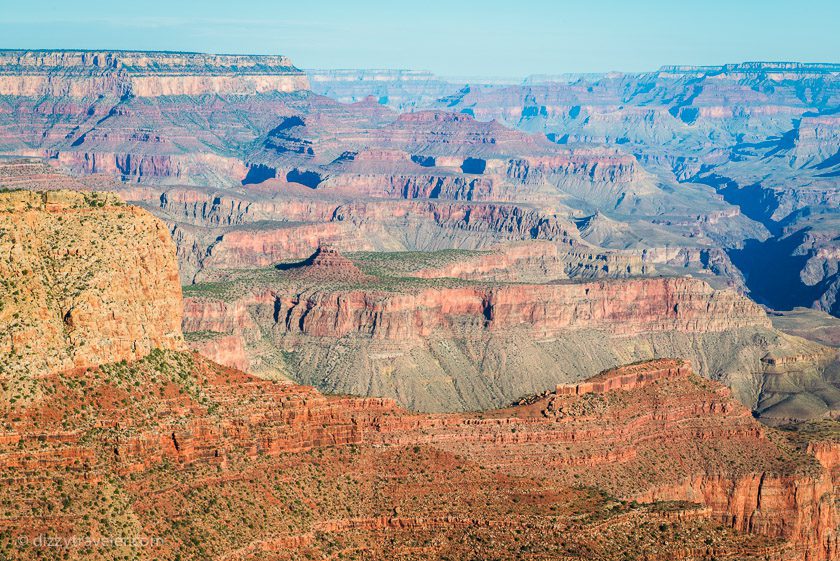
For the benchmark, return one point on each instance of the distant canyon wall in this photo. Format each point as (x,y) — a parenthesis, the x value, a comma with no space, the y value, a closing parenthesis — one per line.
(144,74)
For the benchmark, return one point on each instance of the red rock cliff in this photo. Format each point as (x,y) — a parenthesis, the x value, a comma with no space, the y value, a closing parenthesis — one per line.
(623,307)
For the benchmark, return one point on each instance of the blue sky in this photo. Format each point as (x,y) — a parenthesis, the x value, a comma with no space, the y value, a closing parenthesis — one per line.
(490,38)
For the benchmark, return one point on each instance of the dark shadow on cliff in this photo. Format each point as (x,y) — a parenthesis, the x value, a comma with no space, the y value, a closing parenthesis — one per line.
(771,272)
(307,178)
(258,173)
(754,202)
(296,264)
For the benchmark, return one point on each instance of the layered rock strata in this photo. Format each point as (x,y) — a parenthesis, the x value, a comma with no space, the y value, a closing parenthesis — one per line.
(560,475)
(451,332)
(144,74)
(156,451)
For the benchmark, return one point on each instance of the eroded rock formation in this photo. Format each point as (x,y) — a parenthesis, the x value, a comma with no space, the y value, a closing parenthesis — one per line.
(461,331)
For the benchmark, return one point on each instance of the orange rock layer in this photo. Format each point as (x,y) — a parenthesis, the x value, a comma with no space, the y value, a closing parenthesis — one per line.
(626,378)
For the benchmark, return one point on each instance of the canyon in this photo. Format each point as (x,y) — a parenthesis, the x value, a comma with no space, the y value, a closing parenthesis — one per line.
(191,459)
(491,240)
(763,135)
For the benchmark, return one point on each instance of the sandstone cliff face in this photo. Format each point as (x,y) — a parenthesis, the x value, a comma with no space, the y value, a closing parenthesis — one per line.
(622,308)
(87,280)
(221,348)
(768,504)
(141,167)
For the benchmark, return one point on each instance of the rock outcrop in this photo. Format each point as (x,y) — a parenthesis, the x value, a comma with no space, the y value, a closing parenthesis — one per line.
(326,265)
(86,279)
(627,378)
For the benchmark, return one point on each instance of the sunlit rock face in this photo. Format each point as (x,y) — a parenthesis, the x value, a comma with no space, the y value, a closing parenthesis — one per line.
(87,280)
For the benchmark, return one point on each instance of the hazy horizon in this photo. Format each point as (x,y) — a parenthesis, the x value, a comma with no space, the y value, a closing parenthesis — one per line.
(493,38)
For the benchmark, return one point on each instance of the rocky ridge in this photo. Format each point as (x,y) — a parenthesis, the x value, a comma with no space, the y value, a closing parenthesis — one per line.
(79,74)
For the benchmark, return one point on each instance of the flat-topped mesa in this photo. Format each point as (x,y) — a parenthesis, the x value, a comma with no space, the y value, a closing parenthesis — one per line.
(544,261)
(515,338)
(628,377)
(143,74)
(779,69)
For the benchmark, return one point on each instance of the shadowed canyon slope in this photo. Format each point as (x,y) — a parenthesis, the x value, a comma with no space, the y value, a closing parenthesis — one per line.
(195,460)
